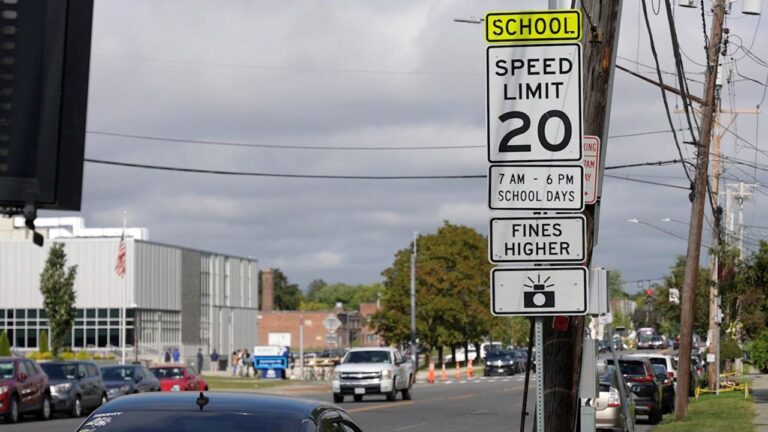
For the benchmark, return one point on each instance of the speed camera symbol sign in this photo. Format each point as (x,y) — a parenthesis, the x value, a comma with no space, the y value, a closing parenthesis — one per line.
(539,291)
(534,107)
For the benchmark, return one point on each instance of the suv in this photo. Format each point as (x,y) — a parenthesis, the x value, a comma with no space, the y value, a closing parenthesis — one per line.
(638,372)
(501,362)
(76,386)
(365,371)
(666,360)
(23,389)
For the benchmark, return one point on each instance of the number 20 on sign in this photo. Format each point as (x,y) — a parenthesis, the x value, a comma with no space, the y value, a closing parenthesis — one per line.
(534,107)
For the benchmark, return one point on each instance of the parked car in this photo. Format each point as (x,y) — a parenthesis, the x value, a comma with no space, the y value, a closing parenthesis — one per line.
(366,371)
(609,414)
(617,344)
(76,386)
(639,374)
(667,388)
(501,362)
(23,389)
(197,412)
(657,342)
(178,378)
(666,360)
(604,346)
(121,380)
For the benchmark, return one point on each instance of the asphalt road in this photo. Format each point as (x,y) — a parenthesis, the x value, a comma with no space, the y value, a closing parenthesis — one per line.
(485,404)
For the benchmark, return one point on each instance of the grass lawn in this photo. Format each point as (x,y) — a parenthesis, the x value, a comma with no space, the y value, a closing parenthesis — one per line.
(729,412)
(227,383)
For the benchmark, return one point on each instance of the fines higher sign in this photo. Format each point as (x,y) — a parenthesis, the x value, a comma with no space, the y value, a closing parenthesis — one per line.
(537,239)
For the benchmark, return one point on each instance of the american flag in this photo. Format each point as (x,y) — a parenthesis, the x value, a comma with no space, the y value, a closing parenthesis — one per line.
(120,263)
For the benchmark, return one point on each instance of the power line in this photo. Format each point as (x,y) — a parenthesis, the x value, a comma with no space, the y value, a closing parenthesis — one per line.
(272,146)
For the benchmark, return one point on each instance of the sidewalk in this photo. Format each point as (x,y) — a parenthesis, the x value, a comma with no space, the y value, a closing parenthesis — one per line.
(760,399)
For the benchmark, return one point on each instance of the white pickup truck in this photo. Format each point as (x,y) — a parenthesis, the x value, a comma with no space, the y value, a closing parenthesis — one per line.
(367,371)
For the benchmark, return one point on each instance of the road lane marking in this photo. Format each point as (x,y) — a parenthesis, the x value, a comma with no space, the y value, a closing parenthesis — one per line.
(405,403)
(408,427)
(378,407)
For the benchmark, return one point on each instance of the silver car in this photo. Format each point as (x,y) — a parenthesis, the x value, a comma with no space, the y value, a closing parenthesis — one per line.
(609,414)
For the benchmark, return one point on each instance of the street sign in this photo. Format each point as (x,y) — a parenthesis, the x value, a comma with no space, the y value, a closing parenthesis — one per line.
(331,323)
(538,239)
(534,110)
(536,187)
(591,161)
(539,291)
(526,26)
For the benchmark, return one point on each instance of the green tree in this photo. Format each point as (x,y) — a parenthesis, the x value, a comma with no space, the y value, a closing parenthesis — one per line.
(57,286)
(43,346)
(5,344)
(313,287)
(616,285)
(758,351)
(667,314)
(350,296)
(451,290)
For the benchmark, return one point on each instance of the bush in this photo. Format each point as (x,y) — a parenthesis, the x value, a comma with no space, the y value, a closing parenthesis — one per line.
(44,342)
(67,355)
(729,349)
(5,345)
(82,355)
(40,355)
(758,351)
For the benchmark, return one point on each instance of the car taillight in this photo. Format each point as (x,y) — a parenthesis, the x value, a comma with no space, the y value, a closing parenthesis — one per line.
(614,400)
(642,379)
(671,374)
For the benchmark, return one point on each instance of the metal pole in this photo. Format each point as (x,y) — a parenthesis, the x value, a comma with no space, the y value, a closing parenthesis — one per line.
(159,337)
(414,352)
(524,413)
(620,379)
(125,292)
(539,356)
(301,348)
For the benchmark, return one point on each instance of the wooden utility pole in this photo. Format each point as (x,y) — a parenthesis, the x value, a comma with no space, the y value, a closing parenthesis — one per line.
(697,213)
(714,327)
(562,349)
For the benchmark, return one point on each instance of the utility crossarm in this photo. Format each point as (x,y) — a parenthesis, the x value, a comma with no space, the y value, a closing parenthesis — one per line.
(666,87)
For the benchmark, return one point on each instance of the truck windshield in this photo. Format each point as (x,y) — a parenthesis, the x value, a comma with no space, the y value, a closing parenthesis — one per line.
(367,357)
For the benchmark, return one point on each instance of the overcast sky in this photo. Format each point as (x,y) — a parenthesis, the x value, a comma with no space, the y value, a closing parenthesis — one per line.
(371,75)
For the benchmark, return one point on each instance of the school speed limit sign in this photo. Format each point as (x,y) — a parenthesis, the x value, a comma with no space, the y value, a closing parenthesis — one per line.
(534,107)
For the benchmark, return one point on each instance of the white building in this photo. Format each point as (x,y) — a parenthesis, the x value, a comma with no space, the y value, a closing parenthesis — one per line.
(174,296)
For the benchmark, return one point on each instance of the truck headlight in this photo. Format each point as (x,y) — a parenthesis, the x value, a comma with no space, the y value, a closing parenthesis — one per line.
(386,374)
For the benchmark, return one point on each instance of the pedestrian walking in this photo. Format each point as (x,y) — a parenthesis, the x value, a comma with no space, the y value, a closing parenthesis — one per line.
(199,361)
(176,355)
(233,363)
(214,360)
(167,356)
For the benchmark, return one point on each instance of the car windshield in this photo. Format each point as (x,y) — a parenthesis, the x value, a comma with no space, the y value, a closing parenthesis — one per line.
(60,371)
(6,370)
(659,369)
(168,372)
(194,421)
(500,355)
(117,374)
(367,357)
(658,361)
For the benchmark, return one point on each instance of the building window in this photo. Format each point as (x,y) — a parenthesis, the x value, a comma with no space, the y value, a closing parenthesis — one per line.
(79,341)
(114,337)
(102,313)
(90,313)
(32,338)
(114,313)
(90,337)
(102,342)
(20,338)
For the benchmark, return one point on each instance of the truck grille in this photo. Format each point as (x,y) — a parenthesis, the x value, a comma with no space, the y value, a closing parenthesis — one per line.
(359,375)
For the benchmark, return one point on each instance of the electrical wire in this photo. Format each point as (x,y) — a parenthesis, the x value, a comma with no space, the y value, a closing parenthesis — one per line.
(663,92)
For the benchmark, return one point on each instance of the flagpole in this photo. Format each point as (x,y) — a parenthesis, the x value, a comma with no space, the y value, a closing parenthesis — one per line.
(125,290)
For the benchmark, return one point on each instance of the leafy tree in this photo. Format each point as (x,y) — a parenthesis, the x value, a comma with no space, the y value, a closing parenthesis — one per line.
(5,344)
(730,349)
(616,285)
(313,287)
(744,290)
(43,342)
(667,315)
(451,290)
(57,287)
(287,296)
(350,296)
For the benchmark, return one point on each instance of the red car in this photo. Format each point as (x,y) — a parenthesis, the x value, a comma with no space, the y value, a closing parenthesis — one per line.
(23,389)
(178,378)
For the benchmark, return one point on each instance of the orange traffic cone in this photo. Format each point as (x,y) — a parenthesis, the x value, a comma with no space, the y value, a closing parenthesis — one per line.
(431,374)
(443,375)
(458,370)
(469,369)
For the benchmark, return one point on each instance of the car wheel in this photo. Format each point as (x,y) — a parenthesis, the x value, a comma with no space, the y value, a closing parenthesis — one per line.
(13,410)
(408,393)
(338,398)
(391,396)
(655,416)
(45,410)
(358,398)
(77,408)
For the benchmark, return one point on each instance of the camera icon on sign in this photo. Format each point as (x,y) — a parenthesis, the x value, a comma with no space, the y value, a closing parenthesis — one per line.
(539,297)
